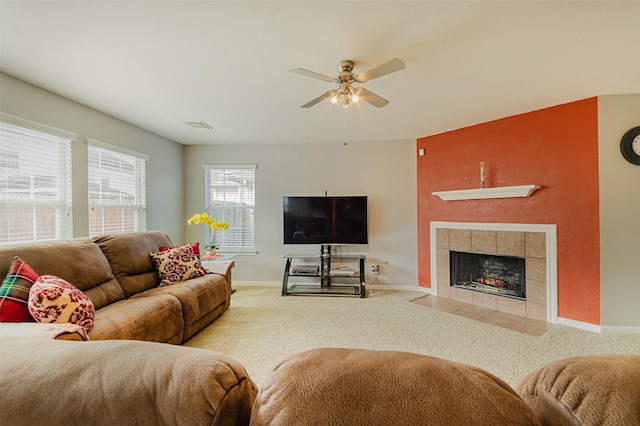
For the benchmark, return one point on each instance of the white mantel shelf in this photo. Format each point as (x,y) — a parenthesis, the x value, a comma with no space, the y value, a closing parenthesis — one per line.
(482,193)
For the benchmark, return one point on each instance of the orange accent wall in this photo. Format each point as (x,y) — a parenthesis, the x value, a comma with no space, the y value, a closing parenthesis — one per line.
(556,148)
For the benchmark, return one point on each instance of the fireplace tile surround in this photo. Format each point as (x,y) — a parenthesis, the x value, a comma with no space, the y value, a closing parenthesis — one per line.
(536,243)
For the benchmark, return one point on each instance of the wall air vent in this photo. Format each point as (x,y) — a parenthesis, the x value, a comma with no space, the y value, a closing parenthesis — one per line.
(198,125)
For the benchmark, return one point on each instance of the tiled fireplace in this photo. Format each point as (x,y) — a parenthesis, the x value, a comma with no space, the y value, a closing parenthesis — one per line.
(535,244)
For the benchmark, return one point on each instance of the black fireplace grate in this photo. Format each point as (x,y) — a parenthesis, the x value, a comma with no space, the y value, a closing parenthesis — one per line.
(488,273)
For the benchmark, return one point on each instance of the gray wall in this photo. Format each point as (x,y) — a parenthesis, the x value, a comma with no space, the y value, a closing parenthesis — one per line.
(384,171)
(164,169)
(619,215)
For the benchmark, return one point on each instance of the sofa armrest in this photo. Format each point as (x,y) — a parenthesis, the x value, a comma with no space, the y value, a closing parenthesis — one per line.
(222,267)
(585,390)
(43,330)
(120,382)
(367,387)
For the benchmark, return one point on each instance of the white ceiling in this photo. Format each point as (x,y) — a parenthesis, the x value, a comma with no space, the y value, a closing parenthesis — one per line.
(159,64)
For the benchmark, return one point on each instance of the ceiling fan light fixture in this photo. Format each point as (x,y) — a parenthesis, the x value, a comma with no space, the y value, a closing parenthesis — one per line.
(352,94)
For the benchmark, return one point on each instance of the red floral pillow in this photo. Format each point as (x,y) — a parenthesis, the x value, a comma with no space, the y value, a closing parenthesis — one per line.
(52,299)
(194,246)
(176,265)
(14,292)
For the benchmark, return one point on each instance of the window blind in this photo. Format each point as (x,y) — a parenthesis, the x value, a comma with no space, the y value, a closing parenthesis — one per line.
(230,197)
(35,182)
(117,190)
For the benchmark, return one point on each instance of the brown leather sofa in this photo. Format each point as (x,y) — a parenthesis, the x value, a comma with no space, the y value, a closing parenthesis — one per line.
(336,386)
(116,272)
(120,382)
(585,390)
(132,382)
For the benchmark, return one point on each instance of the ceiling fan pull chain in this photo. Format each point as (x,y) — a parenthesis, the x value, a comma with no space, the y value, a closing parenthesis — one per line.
(344,127)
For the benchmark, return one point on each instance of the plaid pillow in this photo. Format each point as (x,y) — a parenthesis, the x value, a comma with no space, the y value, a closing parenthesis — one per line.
(14,292)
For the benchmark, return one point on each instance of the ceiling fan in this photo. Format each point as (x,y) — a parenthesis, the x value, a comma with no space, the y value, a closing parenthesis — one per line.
(345,80)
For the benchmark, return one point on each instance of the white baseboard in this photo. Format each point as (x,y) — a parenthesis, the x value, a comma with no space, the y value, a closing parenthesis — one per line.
(614,329)
(256,283)
(579,324)
(602,329)
(398,288)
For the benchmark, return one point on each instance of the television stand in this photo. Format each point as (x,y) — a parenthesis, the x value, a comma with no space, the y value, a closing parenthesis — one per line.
(324,274)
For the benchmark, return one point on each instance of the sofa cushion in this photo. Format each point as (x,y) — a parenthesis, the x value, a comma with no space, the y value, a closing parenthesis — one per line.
(203,299)
(585,390)
(365,387)
(120,383)
(176,265)
(157,318)
(14,292)
(52,299)
(79,261)
(129,257)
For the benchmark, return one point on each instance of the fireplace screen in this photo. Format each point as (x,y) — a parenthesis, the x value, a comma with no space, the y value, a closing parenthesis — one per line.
(488,273)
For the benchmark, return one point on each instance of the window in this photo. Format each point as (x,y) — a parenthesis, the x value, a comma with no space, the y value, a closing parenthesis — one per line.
(117,190)
(35,182)
(230,197)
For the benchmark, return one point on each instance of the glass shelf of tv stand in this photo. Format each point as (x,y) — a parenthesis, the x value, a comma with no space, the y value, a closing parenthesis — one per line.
(314,279)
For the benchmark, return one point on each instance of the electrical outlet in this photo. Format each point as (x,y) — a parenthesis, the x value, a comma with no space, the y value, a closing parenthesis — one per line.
(375,268)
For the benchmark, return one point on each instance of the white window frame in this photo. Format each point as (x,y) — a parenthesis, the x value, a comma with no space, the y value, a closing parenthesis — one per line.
(56,144)
(240,237)
(137,179)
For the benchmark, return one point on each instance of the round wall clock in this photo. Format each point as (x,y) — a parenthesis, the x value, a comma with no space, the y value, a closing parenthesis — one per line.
(630,146)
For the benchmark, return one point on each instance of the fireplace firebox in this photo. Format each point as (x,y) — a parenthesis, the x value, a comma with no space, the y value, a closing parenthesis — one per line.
(488,273)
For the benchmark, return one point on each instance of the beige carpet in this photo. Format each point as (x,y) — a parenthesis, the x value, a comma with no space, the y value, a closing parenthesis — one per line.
(261,327)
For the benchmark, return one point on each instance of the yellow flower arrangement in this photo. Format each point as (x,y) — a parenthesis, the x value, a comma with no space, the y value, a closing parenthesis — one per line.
(213,225)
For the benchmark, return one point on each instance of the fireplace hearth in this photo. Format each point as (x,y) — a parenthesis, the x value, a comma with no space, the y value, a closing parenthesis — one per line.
(488,273)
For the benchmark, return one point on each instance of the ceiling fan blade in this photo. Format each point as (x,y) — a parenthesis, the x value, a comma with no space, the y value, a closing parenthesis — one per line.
(387,68)
(312,74)
(370,97)
(318,99)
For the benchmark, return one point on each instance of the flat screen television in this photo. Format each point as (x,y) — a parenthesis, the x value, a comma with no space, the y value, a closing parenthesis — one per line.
(326,220)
